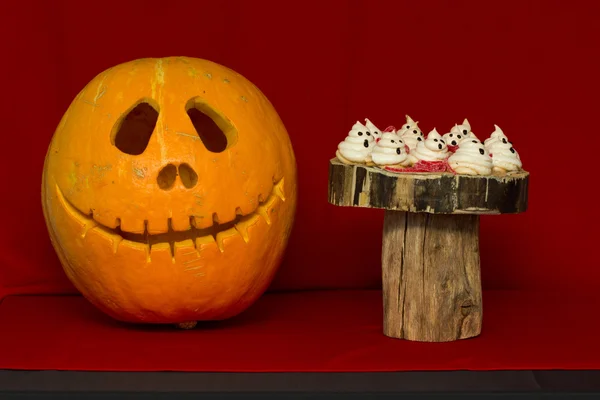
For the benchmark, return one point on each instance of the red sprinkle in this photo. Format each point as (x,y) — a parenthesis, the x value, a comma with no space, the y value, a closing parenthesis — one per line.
(424,166)
(390,128)
(452,148)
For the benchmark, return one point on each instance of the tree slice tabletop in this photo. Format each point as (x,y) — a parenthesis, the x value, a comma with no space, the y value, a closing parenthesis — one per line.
(430,192)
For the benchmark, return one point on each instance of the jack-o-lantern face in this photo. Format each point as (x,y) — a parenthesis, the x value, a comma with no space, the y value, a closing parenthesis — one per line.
(169,191)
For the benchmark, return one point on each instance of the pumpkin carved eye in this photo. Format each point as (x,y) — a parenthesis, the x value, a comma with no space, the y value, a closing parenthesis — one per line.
(215,131)
(133,130)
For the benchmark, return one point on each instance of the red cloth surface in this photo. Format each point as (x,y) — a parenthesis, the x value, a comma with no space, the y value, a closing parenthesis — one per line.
(303,331)
(528,66)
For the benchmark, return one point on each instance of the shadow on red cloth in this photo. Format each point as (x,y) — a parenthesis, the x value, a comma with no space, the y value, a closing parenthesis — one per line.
(301,331)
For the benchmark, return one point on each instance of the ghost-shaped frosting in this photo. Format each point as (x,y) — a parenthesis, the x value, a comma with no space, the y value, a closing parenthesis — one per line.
(471,158)
(496,137)
(464,129)
(375,131)
(454,138)
(389,151)
(433,148)
(505,158)
(411,134)
(357,145)
(409,125)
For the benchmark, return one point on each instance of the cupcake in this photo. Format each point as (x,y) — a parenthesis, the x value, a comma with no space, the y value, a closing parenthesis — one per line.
(453,139)
(464,129)
(375,131)
(505,159)
(409,125)
(496,137)
(410,133)
(390,151)
(431,154)
(357,146)
(471,158)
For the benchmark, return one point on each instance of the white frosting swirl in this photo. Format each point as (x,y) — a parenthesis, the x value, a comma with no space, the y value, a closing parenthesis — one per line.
(408,126)
(434,148)
(375,131)
(412,137)
(464,129)
(454,138)
(505,158)
(390,151)
(357,146)
(496,137)
(471,158)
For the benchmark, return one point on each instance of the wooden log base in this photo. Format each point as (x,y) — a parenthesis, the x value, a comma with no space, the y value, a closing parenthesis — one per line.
(430,253)
(431,276)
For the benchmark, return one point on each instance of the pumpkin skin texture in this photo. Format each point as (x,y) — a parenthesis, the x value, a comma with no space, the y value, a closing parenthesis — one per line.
(154,216)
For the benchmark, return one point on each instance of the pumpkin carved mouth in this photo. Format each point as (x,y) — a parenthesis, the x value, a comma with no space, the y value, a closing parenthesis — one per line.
(217,232)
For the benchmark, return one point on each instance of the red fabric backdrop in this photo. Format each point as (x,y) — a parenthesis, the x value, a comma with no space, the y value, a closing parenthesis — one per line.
(529,66)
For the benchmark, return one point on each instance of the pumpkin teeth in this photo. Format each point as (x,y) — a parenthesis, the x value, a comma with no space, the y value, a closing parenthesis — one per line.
(262,211)
(186,249)
(197,234)
(224,235)
(278,190)
(197,222)
(87,225)
(116,241)
(243,225)
(203,240)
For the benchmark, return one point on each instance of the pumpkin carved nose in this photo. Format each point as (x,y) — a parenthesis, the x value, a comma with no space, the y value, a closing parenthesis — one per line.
(168,175)
(188,176)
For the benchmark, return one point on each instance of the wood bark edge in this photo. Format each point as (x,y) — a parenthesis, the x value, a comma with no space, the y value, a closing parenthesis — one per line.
(435,193)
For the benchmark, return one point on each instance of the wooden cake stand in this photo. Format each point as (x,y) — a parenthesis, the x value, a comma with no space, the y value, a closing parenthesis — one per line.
(430,252)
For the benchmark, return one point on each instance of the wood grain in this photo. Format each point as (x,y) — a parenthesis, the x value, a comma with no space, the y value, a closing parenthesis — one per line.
(430,255)
(431,276)
(434,193)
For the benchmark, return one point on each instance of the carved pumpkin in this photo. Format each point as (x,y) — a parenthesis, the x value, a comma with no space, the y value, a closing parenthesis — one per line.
(169,191)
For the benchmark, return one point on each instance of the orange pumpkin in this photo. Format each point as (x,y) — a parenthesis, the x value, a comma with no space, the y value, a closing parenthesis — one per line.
(169,191)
